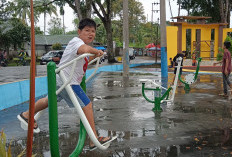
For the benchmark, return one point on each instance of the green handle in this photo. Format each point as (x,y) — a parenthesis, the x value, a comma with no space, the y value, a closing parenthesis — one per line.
(52,109)
(82,133)
(53,116)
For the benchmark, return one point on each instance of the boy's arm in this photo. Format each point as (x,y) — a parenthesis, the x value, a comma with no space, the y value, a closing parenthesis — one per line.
(88,49)
(226,65)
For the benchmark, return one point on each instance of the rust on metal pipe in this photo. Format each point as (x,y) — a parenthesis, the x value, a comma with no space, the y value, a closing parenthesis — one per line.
(32,87)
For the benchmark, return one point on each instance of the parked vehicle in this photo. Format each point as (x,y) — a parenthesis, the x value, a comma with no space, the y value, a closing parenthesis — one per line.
(54,56)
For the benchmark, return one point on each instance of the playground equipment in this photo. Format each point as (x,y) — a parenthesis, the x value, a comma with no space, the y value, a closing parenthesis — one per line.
(52,107)
(158,88)
(190,78)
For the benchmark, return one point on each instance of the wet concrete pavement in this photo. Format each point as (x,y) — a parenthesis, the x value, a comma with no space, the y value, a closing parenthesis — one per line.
(198,123)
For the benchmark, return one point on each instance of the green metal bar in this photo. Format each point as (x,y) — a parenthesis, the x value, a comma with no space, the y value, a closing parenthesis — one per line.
(152,89)
(143,93)
(157,100)
(52,109)
(82,133)
(166,94)
(198,67)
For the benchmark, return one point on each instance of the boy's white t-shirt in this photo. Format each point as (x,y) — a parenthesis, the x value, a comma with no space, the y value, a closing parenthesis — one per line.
(69,54)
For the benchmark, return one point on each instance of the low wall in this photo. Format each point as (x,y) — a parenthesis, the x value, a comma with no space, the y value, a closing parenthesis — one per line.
(18,92)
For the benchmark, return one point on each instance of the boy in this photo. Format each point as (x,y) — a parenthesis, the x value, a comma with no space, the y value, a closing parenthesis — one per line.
(175,63)
(76,47)
(226,69)
(194,61)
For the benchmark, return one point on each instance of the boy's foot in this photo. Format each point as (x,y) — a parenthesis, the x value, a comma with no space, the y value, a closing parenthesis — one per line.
(102,140)
(223,94)
(24,120)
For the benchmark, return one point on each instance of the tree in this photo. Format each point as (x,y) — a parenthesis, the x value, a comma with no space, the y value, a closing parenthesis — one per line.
(23,12)
(46,7)
(5,9)
(105,14)
(136,16)
(61,5)
(82,8)
(57,46)
(38,31)
(219,10)
(14,32)
(55,27)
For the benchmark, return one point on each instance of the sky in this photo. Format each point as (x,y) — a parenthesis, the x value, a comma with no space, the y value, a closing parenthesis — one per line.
(147,4)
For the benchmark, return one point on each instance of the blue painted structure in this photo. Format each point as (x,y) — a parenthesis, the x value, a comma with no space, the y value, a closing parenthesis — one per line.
(15,93)
(164,62)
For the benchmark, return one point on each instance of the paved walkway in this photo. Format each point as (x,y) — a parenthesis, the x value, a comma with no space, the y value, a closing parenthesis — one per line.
(17,73)
(198,123)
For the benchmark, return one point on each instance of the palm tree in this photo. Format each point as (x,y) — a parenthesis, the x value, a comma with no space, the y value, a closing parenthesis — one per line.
(22,10)
(46,7)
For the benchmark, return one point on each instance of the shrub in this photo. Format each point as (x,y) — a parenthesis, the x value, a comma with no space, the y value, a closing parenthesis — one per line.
(57,46)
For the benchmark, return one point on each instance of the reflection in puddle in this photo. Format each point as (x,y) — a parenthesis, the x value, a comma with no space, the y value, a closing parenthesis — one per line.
(126,144)
(116,96)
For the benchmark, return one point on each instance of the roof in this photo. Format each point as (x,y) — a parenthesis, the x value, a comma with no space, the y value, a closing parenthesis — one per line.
(52,39)
(191,17)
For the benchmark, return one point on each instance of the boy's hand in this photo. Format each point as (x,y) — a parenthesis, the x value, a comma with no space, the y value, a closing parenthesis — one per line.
(99,53)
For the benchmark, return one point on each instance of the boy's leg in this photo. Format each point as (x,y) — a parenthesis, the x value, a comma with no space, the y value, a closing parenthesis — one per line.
(224,84)
(39,105)
(88,110)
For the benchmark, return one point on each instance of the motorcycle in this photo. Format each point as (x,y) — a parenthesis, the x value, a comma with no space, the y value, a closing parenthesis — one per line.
(4,62)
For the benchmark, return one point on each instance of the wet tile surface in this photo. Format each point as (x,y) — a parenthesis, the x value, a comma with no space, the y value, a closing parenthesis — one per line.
(198,123)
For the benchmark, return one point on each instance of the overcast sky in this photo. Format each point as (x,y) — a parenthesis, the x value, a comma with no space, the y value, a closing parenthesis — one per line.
(147,4)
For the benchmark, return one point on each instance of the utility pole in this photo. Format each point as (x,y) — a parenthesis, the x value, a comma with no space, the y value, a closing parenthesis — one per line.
(164,65)
(125,40)
(157,27)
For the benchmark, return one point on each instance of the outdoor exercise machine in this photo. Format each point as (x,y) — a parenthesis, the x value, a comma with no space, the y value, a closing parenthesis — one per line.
(158,98)
(190,78)
(52,101)
(52,108)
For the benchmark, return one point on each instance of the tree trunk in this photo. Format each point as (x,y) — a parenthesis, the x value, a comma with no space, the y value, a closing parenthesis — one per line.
(44,23)
(226,10)
(88,8)
(221,6)
(106,20)
(78,9)
(108,27)
(228,16)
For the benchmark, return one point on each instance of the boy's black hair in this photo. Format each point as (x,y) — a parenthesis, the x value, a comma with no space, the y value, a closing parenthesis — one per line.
(227,44)
(86,22)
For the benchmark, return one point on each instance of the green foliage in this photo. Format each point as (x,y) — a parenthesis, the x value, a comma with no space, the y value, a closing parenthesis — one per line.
(229,38)
(219,56)
(38,31)
(55,27)
(101,32)
(202,8)
(57,46)
(71,32)
(3,151)
(14,33)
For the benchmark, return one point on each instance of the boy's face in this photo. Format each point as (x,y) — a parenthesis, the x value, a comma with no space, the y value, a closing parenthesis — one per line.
(87,34)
